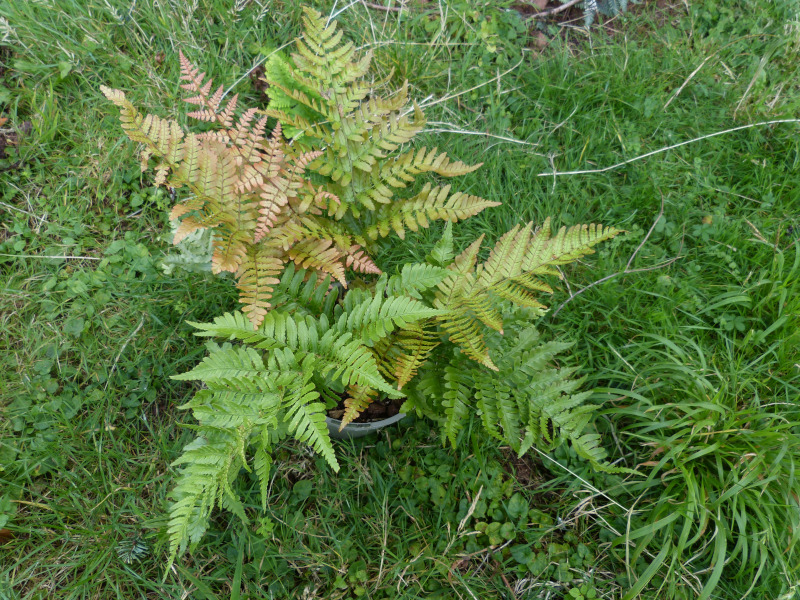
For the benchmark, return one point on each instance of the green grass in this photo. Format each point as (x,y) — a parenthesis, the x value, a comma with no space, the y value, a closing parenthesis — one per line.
(89,421)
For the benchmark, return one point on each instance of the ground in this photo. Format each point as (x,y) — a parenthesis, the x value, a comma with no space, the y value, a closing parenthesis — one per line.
(690,343)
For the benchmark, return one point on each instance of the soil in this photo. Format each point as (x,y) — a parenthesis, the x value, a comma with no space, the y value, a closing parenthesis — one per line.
(531,474)
(259,84)
(377,411)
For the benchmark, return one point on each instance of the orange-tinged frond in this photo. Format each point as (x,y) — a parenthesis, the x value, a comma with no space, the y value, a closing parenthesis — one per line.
(359,261)
(358,399)
(319,255)
(226,116)
(185,207)
(187,226)
(229,251)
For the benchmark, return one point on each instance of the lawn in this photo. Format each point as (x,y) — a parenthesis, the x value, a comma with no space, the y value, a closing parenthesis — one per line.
(675,121)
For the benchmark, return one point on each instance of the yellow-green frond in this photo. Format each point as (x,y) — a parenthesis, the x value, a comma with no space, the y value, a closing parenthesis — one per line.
(430,204)
(256,279)
(358,399)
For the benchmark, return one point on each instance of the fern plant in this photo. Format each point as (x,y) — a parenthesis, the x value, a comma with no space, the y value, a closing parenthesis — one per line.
(319,203)
(453,336)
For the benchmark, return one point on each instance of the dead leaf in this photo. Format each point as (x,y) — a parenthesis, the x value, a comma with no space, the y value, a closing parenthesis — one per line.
(540,40)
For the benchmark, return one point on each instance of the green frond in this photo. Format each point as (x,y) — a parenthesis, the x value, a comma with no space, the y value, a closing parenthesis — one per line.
(306,421)
(489,391)
(301,292)
(414,279)
(465,332)
(456,402)
(201,483)
(442,253)
(227,362)
(375,318)
(230,326)
(262,463)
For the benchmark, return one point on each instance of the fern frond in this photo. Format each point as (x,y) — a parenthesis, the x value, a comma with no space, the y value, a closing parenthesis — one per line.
(306,421)
(415,344)
(230,326)
(230,251)
(332,352)
(161,137)
(187,226)
(453,285)
(430,204)
(414,279)
(256,279)
(358,260)
(320,255)
(262,463)
(490,390)
(301,293)
(456,401)
(442,253)
(465,332)
(505,259)
(358,399)
(375,318)
(567,246)
(227,363)
(198,487)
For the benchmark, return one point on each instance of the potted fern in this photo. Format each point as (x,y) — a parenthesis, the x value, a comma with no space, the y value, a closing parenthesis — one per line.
(450,337)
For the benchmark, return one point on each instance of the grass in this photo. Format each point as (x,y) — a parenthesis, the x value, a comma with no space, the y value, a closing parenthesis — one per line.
(705,344)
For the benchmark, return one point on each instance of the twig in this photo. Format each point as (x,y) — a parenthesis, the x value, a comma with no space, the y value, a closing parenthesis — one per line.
(257,64)
(383,8)
(628,269)
(697,70)
(480,85)
(8,206)
(688,79)
(553,11)
(581,479)
(469,132)
(121,350)
(660,150)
